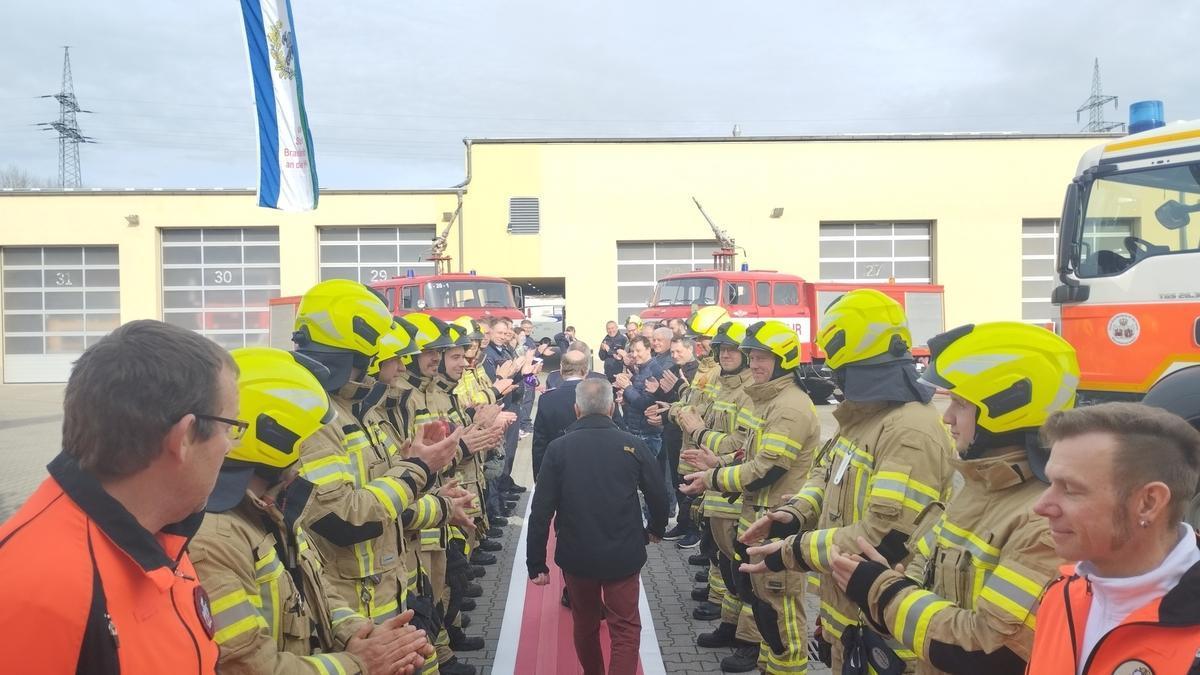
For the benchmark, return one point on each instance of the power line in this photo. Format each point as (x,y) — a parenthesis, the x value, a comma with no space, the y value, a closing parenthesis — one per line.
(67,126)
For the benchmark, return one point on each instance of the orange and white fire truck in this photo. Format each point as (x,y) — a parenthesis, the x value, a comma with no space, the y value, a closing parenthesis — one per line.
(756,295)
(446,295)
(1129,262)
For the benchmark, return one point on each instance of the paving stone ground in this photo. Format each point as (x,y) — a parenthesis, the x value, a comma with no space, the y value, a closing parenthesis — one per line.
(30,435)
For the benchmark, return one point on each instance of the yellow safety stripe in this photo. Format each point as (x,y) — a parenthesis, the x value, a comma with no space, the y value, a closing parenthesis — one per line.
(949,534)
(340,614)
(381,613)
(728,479)
(391,493)
(913,616)
(234,614)
(833,622)
(326,664)
(431,538)
(858,459)
(327,470)
(901,488)
(780,445)
(711,440)
(427,513)
(1012,592)
(925,543)
(714,502)
(811,495)
(820,549)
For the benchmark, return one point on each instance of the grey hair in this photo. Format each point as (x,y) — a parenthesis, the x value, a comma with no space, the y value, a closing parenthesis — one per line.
(593,396)
(580,346)
(664,333)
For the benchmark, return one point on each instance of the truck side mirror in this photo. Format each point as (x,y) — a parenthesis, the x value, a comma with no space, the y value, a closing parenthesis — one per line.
(518,296)
(1065,294)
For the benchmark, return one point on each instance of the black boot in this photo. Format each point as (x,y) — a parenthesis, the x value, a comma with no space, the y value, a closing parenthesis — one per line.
(456,667)
(495,532)
(482,558)
(698,559)
(490,545)
(565,600)
(706,611)
(477,571)
(700,594)
(467,605)
(498,521)
(723,636)
(473,590)
(459,642)
(743,660)
(464,620)
(702,577)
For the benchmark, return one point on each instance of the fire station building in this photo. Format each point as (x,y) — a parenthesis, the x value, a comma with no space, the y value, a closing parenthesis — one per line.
(595,221)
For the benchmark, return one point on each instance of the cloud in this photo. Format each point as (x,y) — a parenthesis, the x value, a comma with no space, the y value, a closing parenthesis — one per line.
(393,88)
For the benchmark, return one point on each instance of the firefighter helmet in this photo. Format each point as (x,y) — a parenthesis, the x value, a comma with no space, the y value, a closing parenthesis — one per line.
(1179,393)
(775,337)
(281,401)
(729,334)
(861,325)
(396,343)
(471,326)
(342,315)
(1017,374)
(428,332)
(703,323)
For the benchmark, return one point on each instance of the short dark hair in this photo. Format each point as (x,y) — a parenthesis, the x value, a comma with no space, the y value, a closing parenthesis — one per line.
(640,339)
(126,392)
(570,329)
(1152,445)
(501,319)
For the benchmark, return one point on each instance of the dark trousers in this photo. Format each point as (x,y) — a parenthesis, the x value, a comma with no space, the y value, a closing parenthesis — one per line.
(618,599)
(511,436)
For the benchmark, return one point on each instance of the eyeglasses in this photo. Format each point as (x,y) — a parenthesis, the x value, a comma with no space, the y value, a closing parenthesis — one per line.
(237,428)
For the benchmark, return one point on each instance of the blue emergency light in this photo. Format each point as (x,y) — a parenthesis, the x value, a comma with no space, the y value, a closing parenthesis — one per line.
(745,267)
(408,273)
(472,272)
(1145,115)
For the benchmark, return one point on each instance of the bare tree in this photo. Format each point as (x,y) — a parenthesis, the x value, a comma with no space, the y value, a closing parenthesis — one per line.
(13,176)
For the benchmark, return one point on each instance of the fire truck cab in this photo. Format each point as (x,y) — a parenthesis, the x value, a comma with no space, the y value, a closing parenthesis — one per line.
(757,295)
(446,296)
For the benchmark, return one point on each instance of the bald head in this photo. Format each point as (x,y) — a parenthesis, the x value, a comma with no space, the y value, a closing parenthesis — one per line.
(574,364)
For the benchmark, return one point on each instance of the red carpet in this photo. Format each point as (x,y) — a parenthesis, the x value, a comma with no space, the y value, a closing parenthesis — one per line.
(545,646)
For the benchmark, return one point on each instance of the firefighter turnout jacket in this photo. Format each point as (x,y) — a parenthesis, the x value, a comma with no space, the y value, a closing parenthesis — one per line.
(724,437)
(270,596)
(86,589)
(362,491)
(970,595)
(873,479)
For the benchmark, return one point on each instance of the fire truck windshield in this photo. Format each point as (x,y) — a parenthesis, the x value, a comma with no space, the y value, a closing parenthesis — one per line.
(696,290)
(467,293)
(1136,215)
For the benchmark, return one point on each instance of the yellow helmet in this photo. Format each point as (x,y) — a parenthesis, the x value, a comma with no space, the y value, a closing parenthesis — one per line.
(729,334)
(471,326)
(343,315)
(1017,374)
(634,318)
(428,332)
(458,335)
(705,321)
(863,324)
(396,343)
(775,337)
(282,403)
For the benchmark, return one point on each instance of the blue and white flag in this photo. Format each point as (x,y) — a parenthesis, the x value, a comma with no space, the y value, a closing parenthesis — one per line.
(287,170)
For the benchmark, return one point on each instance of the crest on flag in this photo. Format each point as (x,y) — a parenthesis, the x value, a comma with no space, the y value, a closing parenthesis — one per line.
(281,51)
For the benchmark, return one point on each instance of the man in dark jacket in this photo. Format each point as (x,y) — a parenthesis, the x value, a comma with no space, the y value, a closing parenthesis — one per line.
(589,483)
(556,411)
(613,340)
(683,368)
(495,356)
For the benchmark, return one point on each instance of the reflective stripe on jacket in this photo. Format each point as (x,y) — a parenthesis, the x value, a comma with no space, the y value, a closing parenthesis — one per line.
(264,622)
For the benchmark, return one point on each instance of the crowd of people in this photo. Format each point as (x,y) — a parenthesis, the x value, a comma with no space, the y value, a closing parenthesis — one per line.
(328,509)
(932,542)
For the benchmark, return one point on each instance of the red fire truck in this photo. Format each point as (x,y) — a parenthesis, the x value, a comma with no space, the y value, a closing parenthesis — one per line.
(755,295)
(446,295)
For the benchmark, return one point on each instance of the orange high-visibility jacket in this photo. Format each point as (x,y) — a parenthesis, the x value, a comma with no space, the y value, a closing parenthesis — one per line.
(1162,636)
(85,588)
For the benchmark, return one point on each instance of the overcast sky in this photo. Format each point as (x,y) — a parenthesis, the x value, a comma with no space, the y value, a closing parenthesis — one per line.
(392,88)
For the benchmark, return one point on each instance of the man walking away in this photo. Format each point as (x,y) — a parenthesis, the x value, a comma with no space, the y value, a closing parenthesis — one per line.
(589,482)
(556,412)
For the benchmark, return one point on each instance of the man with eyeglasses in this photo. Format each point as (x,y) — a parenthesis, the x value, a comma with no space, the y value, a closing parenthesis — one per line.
(94,573)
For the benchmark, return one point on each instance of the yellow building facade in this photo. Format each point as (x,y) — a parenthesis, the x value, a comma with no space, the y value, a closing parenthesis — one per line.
(598,220)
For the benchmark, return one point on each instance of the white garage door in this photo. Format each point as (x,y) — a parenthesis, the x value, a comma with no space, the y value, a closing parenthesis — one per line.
(57,301)
(370,254)
(216,281)
(641,264)
(873,253)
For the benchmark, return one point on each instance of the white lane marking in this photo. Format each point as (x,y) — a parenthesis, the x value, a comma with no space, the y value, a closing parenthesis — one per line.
(514,610)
